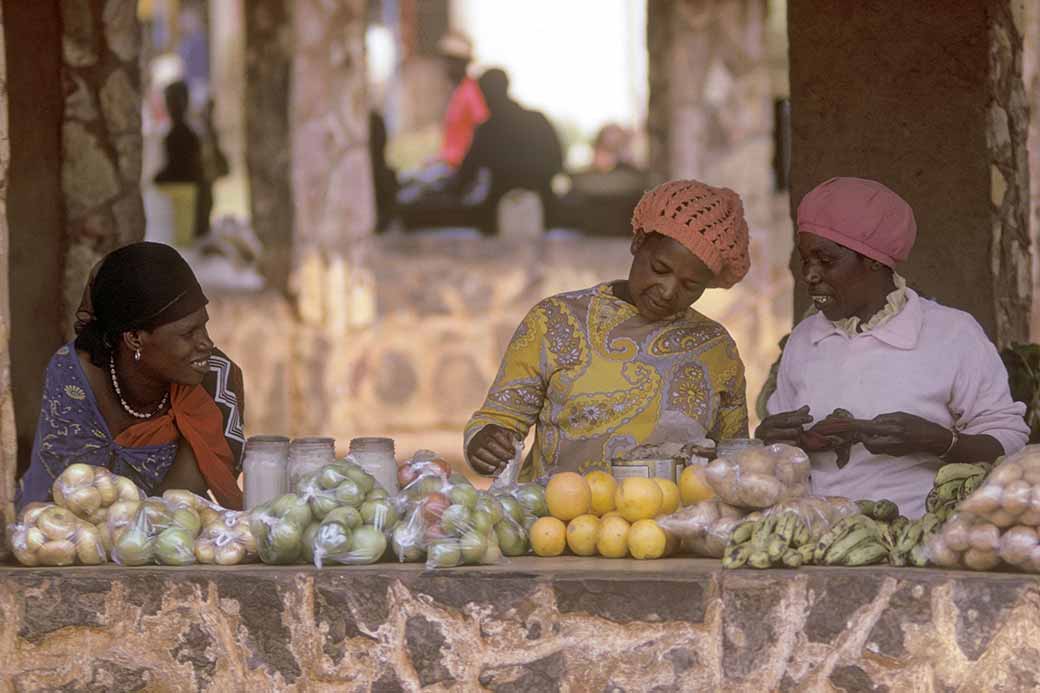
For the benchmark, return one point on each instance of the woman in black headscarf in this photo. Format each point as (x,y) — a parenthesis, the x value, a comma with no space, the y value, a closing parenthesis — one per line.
(141,390)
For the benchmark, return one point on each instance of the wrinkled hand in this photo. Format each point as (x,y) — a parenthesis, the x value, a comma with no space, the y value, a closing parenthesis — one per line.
(786,427)
(491,449)
(900,434)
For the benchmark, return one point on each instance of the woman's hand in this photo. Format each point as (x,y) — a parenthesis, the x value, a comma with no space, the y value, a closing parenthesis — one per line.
(786,427)
(900,434)
(491,449)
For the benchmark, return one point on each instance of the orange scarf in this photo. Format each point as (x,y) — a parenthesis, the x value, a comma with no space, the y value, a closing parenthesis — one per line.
(194,416)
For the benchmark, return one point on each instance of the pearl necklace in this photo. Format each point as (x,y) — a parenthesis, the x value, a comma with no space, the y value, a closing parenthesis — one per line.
(119,393)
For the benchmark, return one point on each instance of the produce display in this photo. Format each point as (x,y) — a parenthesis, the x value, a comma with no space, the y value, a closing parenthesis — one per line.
(760,477)
(789,534)
(340,515)
(997,523)
(49,535)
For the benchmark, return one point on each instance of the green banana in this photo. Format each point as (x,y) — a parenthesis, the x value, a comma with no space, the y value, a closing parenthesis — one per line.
(742,532)
(776,548)
(885,511)
(792,558)
(865,554)
(802,536)
(839,549)
(956,471)
(866,507)
(806,552)
(759,559)
(735,556)
(898,525)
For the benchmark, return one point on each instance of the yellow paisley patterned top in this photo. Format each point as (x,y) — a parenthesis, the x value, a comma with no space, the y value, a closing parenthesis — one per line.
(599,379)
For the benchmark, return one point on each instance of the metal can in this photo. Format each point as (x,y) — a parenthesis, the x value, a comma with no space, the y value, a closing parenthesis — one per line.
(663,468)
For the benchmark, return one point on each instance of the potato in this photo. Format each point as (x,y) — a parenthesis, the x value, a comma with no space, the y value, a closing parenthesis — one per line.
(25,557)
(230,554)
(208,515)
(956,535)
(99,516)
(729,512)
(1003,519)
(78,475)
(1030,518)
(177,498)
(942,555)
(121,512)
(61,552)
(106,487)
(1017,544)
(756,461)
(83,501)
(984,501)
(984,537)
(1016,497)
(980,560)
(758,491)
(1029,458)
(34,539)
(106,537)
(32,511)
(1004,474)
(1034,560)
(128,491)
(205,551)
(1032,476)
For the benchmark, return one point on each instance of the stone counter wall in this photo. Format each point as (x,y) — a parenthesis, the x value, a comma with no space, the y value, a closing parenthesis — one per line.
(538,625)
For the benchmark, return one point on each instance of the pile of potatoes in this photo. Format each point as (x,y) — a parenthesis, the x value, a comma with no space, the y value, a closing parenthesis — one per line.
(760,477)
(998,523)
(704,527)
(48,535)
(89,491)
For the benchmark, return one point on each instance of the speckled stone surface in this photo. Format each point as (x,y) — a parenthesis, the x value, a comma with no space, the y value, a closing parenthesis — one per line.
(566,624)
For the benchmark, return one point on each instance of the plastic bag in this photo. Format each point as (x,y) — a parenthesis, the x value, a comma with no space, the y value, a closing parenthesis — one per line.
(278,527)
(226,539)
(705,527)
(760,477)
(157,530)
(422,463)
(998,523)
(88,491)
(49,535)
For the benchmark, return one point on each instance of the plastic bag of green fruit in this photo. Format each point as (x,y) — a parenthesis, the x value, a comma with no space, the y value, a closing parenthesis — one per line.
(153,531)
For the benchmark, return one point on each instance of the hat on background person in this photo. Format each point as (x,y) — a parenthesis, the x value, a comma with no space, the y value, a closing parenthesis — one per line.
(861,215)
(455,44)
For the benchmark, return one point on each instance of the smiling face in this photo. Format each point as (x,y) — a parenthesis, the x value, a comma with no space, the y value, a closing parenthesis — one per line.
(841,282)
(665,278)
(177,352)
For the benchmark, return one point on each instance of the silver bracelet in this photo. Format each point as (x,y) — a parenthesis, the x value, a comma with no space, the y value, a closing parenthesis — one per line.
(953,444)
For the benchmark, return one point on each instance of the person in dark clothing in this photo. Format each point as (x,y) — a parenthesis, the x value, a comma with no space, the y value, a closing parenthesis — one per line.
(517,147)
(384,178)
(189,159)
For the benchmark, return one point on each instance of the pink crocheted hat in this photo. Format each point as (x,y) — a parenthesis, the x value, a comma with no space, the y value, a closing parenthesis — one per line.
(708,221)
(862,215)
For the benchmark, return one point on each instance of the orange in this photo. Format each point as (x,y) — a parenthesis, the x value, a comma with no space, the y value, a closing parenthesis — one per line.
(568,495)
(548,536)
(693,486)
(613,537)
(582,535)
(603,487)
(638,498)
(669,495)
(646,540)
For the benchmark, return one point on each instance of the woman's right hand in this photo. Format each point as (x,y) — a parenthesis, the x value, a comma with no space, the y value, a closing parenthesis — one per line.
(491,449)
(786,427)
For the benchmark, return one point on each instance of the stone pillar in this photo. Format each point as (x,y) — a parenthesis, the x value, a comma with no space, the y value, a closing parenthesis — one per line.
(711,118)
(101,136)
(269,41)
(333,198)
(926,97)
(8,436)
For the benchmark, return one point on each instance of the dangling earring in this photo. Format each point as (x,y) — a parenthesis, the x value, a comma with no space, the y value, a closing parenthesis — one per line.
(137,355)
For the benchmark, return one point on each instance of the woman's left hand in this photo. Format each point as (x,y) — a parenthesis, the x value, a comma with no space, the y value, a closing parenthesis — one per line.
(900,434)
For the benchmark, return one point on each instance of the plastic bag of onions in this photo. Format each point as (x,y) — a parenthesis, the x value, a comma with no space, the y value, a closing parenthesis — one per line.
(89,491)
(998,524)
(48,535)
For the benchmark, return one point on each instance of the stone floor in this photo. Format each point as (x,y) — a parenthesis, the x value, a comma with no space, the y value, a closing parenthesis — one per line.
(566,624)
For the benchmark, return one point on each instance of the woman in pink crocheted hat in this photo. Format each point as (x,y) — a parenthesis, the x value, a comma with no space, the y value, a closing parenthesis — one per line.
(921,382)
(628,362)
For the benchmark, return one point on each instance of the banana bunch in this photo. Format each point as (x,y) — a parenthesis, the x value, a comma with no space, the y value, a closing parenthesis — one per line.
(909,548)
(853,541)
(954,483)
(779,540)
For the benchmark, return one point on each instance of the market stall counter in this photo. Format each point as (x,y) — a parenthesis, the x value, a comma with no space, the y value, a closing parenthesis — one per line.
(532,624)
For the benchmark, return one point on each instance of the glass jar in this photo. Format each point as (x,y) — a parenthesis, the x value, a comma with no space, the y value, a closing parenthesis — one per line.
(376,456)
(307,456)
(263,465)
(731,446)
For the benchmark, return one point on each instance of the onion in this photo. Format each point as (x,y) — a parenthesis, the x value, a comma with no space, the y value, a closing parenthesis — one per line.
(121,513)
(188,520)
(205,551)
(32,511)
(34,539)
(89,548)
(1030,518)
(57,523)
(956,536)
(25,557)
(128,491)
(1016,497)
(106,487)
(133,547)
(175,546)
(1017,545)
(984,538)
(57,553)
(179,498)
(942,555)
(99,516)
(230,554)
(77,475)
(1003,519)
(984,501)
(83,501)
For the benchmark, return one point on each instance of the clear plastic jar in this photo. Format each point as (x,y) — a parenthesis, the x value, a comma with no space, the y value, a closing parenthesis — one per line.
(307,456)
(376,456)
(263,465)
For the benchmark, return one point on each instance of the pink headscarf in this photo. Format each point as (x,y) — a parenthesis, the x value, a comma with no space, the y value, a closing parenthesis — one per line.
(862,215)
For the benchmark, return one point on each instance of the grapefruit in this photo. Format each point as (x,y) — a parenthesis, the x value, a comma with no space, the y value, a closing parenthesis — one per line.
(646,540)
(638,498)
(548,536)
(669,495)
(602,486)
(582,535)
(693,486)
(613,537)
(567,495)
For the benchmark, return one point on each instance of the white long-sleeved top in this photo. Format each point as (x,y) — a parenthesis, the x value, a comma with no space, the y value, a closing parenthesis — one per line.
(928,360)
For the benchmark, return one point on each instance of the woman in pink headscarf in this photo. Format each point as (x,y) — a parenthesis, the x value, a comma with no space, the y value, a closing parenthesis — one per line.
(922,382)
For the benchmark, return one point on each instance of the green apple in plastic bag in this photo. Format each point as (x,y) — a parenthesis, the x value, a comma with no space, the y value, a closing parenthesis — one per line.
(368,545)
(175,546)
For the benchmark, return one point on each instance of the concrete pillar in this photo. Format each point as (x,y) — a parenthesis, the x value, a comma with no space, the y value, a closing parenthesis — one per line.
(269,41)
(8,437)
(926,97)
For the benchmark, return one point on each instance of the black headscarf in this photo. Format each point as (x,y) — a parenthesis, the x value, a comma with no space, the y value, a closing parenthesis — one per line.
(137,287)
